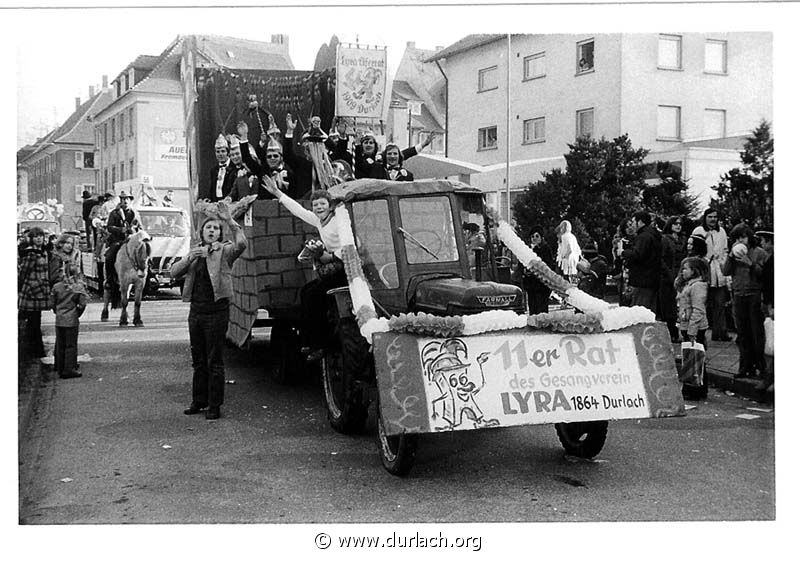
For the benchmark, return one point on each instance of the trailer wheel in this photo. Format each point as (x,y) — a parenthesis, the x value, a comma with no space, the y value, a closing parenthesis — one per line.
(285,346)
(397,452)
(345,370)
(583,439)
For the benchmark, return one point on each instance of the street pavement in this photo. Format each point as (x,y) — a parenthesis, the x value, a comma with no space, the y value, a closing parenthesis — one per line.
(114,447)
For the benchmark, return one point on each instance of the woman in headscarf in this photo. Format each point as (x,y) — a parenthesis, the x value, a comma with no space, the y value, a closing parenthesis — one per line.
(569,252)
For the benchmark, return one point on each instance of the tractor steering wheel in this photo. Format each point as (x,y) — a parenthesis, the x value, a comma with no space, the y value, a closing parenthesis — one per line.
(384,279)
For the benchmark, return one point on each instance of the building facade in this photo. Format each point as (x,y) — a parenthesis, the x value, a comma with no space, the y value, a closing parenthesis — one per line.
(61,165)
(140,136)
(418,103)
(672,93)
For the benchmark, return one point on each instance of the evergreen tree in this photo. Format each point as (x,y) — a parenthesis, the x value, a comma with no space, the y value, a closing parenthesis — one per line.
(746,194)
(602,184)
(670,197)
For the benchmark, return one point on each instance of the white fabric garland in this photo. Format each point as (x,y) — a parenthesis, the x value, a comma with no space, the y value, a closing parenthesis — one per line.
(493,320)
(622,317)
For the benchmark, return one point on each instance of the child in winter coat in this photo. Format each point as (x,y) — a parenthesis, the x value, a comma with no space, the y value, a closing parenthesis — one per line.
(68,301)
(691,285)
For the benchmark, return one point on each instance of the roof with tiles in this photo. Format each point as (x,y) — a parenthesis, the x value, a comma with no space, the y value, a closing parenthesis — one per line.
(465,44)
(244,54)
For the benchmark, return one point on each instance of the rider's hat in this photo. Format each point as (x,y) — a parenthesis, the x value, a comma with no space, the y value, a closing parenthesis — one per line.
(122,194)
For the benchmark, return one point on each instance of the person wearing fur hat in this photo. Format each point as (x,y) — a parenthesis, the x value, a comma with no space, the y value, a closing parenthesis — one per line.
(208,286)
(223,174)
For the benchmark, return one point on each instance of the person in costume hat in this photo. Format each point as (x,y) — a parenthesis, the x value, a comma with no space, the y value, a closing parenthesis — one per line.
(223,175)
(272,165)
(309,157)
(208,286)
(246,181)
(122,221)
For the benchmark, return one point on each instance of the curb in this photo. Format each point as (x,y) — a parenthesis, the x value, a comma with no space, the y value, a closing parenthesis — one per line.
(34,376)
(743,387)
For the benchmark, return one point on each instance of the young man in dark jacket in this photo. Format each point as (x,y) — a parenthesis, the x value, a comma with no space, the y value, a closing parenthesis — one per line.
(643,258)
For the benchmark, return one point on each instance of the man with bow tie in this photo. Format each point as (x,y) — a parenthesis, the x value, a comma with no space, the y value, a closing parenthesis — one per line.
(224,173)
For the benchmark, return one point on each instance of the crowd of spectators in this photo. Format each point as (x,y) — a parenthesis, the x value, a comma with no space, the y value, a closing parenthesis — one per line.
(692,279)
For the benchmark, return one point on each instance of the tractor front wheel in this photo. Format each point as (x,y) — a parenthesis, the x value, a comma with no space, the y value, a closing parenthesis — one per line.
(583,439)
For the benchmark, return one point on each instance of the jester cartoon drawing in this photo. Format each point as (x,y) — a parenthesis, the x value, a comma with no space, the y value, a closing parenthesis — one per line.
(362,85)
(444,365)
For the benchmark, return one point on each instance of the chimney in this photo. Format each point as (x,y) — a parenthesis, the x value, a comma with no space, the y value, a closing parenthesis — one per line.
(280,39)
(77,103)
(105,81)
(411,44)
(91,91)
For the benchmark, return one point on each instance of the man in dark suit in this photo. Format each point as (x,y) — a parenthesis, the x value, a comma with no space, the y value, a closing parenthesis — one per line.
(224,173)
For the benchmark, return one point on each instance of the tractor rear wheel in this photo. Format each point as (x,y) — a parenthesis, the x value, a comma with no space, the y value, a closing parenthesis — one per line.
(346,369)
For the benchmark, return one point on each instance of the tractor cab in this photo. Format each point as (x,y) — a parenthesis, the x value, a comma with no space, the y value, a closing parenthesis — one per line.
(426,246)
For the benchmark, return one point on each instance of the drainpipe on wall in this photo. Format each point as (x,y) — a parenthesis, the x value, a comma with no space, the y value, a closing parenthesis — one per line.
(446,110)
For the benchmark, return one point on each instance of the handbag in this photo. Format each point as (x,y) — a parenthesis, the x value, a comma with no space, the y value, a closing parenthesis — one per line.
(694,363)
(769,335)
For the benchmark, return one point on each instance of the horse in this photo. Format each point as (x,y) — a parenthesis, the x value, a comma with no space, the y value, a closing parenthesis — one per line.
(132,266)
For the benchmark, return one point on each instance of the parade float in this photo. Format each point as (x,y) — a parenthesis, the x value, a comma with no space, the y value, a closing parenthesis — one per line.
(424,329)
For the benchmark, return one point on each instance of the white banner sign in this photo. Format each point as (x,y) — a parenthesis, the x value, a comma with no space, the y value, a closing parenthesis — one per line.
(169,144)
(360,82)
(507,380)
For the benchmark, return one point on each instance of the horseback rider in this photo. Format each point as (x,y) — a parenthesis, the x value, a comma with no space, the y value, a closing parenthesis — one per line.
(121,223)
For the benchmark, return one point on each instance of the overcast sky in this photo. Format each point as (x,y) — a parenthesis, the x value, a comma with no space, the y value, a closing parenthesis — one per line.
(60,52)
